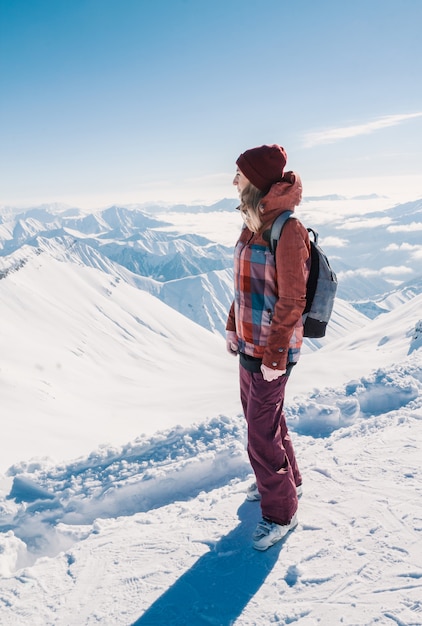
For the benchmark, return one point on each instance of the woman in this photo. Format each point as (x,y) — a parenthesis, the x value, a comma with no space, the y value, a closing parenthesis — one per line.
(265,328)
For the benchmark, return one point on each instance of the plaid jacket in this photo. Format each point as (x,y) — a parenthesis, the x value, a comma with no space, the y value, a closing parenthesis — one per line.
(270,295)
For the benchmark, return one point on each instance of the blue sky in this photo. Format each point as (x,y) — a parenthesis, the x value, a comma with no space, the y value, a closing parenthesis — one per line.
(128,101)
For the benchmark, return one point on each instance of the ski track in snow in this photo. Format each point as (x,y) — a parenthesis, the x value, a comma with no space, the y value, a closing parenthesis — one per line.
(78,531)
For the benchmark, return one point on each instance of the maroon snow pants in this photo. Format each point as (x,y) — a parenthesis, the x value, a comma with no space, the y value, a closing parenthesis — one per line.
(270,448)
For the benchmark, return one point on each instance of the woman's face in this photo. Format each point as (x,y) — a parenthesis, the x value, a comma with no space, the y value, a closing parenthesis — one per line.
(240,181)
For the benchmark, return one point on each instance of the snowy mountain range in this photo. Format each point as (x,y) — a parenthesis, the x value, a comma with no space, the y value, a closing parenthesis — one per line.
(193,275)
(188,272)
(123,464)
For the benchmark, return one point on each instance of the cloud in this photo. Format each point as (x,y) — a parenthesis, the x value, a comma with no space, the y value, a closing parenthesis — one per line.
(347,132)
(407,247)
(335,242)
(365,272)
(359,222)
(415,250)
(405,228)
(392,270)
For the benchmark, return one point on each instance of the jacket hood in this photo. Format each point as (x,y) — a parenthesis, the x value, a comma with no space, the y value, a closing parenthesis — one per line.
(283,196)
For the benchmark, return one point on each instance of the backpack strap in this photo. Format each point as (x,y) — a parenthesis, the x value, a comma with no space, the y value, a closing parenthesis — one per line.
(315,234)
(273,238)
(312,281)
(276,228)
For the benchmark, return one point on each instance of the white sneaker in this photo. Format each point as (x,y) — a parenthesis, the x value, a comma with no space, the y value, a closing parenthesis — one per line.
(268,533)
(252,493)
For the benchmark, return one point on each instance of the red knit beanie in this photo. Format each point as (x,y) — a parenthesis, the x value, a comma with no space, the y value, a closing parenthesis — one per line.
(263,166)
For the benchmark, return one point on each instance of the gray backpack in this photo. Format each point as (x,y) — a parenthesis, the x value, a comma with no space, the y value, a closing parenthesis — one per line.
(321,286)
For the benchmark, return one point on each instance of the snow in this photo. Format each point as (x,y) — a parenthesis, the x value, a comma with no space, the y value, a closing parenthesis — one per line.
(124,470)
(94,337)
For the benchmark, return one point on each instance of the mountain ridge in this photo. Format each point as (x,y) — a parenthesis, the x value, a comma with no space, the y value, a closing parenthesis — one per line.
(151,253)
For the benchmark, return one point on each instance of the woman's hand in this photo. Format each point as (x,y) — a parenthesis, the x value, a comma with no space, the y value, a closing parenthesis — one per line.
(231,342)
(270,374)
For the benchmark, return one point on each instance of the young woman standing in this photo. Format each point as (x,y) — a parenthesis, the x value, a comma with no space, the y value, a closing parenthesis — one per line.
(264,328)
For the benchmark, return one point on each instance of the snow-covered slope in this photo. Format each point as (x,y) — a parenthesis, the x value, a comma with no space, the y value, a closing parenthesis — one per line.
(158,531)
(133,245)
(87,352)
(124,469)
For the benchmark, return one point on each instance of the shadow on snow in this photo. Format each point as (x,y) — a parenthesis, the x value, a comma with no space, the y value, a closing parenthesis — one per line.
(220,584)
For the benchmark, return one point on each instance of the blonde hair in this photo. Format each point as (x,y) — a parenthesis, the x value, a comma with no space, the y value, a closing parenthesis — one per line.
(250,201)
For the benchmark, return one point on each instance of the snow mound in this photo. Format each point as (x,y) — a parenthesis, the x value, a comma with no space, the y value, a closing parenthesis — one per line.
(385,390)
(49,507)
